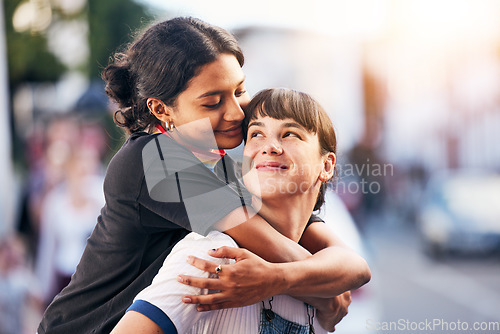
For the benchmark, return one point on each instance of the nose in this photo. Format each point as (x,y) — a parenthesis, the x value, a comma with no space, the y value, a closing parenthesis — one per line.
(234,112)
(272,147)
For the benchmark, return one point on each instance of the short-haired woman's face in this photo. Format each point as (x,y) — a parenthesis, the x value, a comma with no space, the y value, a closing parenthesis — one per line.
(211,105)
(281,158)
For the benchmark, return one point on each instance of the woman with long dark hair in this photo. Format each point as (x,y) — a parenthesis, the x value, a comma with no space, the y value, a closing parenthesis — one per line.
(289,154)
(179,88)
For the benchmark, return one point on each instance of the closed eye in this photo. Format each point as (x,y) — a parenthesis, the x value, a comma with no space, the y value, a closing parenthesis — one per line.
(213,106)
(240,93)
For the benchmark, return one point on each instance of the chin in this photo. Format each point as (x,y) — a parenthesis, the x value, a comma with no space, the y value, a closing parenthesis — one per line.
(270,188)
(228,143)
(271,195)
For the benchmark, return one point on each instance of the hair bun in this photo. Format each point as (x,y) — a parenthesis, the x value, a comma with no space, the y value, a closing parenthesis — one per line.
(119,83)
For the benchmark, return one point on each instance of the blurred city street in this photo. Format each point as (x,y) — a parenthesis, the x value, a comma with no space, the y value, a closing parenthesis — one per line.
(413,287)
(412,88)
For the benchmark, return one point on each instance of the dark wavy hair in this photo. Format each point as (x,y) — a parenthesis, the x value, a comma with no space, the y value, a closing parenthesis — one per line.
(159,64)
(282,103)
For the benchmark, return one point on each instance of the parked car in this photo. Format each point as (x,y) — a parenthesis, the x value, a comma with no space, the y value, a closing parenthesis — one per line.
(460,213)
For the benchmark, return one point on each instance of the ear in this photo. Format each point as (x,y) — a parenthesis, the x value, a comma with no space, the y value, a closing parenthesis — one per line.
(328,167)
(160,110)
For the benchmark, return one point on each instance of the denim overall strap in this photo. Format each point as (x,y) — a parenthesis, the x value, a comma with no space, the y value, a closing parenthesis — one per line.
(272,323)
(310,317)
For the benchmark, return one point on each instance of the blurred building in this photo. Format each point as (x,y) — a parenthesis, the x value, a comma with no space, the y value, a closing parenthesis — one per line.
(439,67)
(322,65)
(413,87)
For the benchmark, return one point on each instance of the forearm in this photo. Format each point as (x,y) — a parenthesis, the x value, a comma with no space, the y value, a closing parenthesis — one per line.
(327,273)
(262,239)
(318,277)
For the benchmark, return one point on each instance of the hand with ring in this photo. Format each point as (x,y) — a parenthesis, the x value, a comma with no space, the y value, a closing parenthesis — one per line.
(246,282)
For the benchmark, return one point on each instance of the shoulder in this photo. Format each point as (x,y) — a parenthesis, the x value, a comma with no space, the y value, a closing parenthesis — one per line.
(198,245)
(165,291)
(165,151)
(125,172)
(135,149)
(131,150)
(134,144)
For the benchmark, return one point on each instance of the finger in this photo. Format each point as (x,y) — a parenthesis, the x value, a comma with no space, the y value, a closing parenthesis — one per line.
(227,252)
(204,265)
(211,299)
(202,282)
(212,307)
(347,297)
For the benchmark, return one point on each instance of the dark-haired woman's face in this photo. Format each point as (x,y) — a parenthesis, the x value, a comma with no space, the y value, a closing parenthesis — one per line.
(211,106)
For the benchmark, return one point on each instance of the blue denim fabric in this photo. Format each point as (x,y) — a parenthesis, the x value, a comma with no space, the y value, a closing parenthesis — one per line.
(272,323)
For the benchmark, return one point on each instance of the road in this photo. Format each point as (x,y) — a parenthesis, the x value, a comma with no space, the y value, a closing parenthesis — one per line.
(416,294)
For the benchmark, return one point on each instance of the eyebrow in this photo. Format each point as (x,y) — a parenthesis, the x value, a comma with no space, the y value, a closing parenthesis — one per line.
(217,92)
(286,125)
(255,124)
(293,125)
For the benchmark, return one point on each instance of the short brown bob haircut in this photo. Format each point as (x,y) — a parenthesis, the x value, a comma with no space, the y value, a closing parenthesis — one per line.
(283,103)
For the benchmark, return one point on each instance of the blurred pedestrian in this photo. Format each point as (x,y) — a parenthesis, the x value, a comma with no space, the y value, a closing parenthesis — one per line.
(16,284)
(68,216)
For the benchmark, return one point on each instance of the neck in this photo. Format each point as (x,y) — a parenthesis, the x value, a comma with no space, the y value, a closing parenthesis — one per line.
(289,214)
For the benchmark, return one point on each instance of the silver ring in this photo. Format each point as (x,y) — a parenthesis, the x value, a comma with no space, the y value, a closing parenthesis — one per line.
(218,269)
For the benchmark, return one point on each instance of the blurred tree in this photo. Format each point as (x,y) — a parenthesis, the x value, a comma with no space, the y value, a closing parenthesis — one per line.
(27,53)
(111,24)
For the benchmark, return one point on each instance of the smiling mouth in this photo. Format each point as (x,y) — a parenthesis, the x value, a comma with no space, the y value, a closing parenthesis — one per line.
(270,166)
(231,132)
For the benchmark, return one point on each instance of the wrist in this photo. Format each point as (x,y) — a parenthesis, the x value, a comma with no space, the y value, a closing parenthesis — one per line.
(294,278)
(282,282)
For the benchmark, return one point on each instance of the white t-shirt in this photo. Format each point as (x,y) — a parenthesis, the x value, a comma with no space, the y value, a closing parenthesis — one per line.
(165,294)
